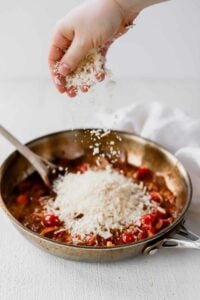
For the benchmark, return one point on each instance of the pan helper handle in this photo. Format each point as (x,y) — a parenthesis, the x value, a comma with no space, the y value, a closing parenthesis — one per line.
(191,241)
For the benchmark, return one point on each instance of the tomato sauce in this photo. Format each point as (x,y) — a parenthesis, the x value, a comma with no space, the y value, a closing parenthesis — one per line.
(29,197)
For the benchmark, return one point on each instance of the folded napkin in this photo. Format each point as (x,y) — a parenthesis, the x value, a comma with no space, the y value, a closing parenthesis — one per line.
(170,127)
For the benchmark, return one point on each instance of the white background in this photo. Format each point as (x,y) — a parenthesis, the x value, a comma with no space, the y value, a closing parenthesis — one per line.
(159,60)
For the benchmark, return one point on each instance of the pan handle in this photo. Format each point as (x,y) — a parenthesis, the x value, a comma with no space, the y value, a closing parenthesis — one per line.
(191,241)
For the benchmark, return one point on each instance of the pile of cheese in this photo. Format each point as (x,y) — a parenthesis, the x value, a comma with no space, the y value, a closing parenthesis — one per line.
(86,74)
(98,201)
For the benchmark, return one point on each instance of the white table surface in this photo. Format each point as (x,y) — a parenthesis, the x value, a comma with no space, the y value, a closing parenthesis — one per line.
(32,108)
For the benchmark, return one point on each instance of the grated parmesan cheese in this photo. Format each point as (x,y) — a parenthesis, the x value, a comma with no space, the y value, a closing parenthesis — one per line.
(104,199)
(113,153)
(86,74)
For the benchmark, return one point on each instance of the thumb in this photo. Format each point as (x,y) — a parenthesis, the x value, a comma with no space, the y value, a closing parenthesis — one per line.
(73,56)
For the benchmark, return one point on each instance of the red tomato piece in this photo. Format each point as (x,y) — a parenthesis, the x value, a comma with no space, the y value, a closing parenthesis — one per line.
(154,218)
(151,231)
(142,235)
(162,223)
(136,231)
(149,219)
(143,173)
(161,212)
(83,167)
(22,199)
(156,197)
(146,219)
(127,238)
(92,240)
(51,220)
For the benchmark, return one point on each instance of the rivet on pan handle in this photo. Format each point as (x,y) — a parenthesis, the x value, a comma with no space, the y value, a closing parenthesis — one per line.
(192,241)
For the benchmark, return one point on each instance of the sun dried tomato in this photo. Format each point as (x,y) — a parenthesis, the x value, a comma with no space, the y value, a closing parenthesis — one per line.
(22,199)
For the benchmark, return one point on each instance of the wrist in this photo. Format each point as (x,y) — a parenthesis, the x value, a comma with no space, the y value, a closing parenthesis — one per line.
(109,8)
(128,7)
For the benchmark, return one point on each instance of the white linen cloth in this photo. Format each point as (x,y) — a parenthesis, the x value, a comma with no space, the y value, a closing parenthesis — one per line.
(170,127)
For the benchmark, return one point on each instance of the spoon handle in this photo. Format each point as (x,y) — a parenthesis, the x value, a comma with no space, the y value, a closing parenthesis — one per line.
(33,158)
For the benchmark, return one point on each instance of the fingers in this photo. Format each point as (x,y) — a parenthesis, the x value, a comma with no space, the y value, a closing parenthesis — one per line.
(59,82)
(56,54)
(71,92)
(73,56)
(59,45)
(67,50)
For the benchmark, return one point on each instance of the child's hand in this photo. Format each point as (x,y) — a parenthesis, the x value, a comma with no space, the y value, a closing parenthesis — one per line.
(94,23)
